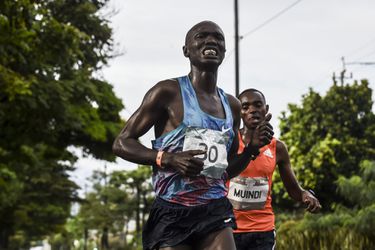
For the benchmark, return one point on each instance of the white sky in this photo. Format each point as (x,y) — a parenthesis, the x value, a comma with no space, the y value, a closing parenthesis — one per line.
(299,49)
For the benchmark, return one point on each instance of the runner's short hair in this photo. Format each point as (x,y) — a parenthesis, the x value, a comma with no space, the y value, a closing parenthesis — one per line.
(251,90)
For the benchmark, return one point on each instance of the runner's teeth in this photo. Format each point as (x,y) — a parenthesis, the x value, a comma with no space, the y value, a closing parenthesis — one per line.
(210,52)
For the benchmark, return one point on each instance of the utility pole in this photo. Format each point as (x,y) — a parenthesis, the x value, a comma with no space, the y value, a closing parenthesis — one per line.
(236,47)
(104,240)
(85,228)
(342,73)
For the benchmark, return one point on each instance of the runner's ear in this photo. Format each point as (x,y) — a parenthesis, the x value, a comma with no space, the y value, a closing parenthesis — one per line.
(186,51)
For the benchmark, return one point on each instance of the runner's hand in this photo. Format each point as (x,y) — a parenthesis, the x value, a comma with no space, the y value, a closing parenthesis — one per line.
(263,133)
(313,204)
(184,162)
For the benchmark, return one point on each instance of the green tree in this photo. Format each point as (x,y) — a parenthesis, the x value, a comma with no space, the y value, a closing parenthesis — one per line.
(328,136)
(116,200)
(50,99)
(345,228)
(138,184)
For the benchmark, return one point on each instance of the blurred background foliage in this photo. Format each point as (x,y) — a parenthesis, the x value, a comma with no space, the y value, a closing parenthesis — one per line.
(328,136)
(52,99)
(343,228)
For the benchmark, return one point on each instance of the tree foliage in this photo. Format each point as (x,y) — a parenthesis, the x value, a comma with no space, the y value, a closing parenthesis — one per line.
(345,228)
(328,136)
(117,201)
(50,99)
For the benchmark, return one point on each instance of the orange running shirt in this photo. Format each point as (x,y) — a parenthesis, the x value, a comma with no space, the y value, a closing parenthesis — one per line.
(250,192)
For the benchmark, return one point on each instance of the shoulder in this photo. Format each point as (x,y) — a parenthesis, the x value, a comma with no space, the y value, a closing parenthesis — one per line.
(235,107)
(281,151)
(169,86)
(234,103)
(280,146)
(163,90)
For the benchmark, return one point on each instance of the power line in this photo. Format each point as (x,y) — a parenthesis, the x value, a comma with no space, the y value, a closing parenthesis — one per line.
(271,19)
(355,51)
(230,53)
(361,63)
(356,63)
(365,56)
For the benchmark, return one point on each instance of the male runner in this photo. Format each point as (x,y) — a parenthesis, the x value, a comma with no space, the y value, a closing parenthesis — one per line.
(195,150)
(250,192)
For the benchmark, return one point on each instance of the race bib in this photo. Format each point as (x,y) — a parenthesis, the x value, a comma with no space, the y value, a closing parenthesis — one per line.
(214,143)
(248,193)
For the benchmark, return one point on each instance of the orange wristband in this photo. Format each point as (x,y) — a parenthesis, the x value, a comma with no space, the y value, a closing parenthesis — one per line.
(158,158)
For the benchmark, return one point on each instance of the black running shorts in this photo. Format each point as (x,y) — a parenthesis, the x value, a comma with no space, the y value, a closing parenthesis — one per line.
(171,224)
(255,240)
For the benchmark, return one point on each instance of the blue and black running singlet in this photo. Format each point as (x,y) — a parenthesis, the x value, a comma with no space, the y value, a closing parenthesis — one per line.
(198,130)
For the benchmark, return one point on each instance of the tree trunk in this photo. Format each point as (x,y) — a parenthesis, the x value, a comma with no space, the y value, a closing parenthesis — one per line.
(138,214)
(104,240)
(4,238)
(85,237)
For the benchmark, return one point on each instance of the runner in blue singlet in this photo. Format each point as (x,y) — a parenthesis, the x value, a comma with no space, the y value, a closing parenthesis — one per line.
(194,152)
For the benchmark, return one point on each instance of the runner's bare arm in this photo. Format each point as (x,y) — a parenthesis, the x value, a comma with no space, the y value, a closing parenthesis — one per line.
(238,162)
(156,110)
(151,111)
(290,181)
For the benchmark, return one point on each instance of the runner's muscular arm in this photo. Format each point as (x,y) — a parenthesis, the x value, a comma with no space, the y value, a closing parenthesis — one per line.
(238,162)
(151,111)
(155,110)
(290,181)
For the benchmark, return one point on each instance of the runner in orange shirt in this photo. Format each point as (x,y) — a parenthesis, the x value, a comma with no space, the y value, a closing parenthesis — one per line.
(250,192)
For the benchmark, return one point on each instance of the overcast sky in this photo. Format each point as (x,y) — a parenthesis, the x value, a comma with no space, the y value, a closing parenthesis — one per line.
(287,47)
